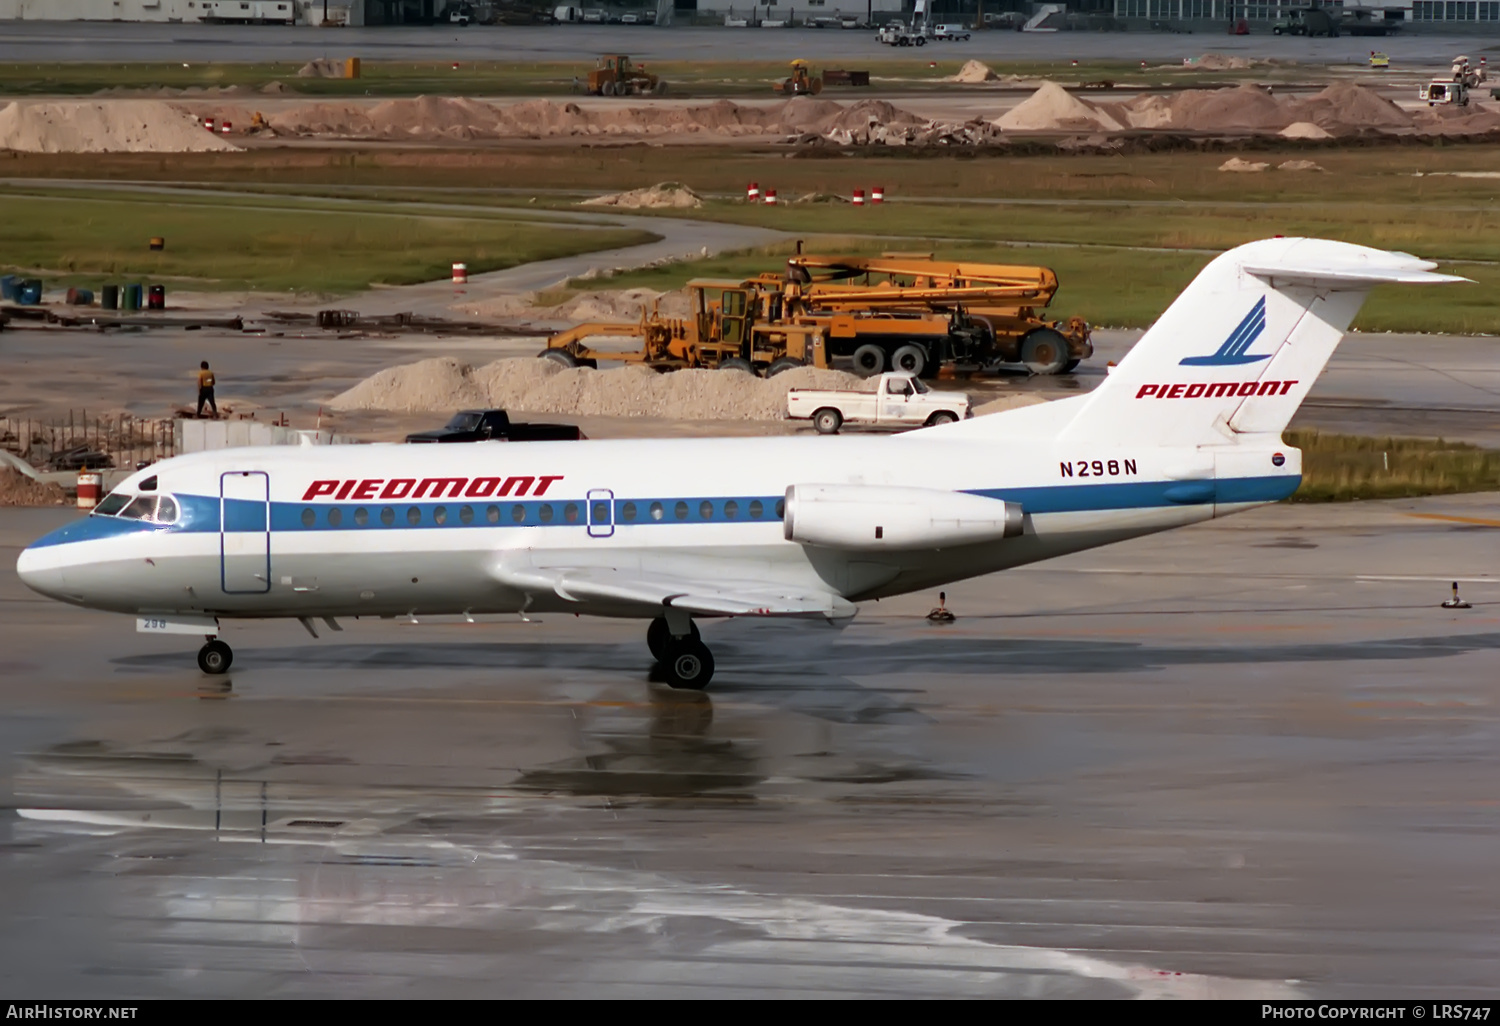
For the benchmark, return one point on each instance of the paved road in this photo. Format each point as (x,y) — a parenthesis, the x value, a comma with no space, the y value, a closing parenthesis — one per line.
(86,41)
(1251,758)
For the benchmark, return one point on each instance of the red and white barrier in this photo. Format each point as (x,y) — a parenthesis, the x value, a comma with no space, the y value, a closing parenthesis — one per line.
(753,192)
(226,127)
(90,485)
(877,194)
(770,197)
(208,123)
(460,274)
(859,197)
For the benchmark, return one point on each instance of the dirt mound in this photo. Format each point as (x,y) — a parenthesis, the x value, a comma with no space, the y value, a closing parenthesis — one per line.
(974,71)
(273,88)
(1304,130)
(541,386)
(1345,105)
(1300,165)
(1148,111)
(115,126)
(322,67)
(1222,62)
(662,196)
(1244,107)
(1053,108)
(866,113)
(600,305)
(1237,164)
(16,489)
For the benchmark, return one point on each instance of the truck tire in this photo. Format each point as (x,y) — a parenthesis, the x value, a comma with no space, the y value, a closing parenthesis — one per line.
(1044,351)
(783,363)
(921,40)
(869,360)
(559,356)
(606,89)
(661,88)
(942,417)
(909,359)
(734,363)
(828,421)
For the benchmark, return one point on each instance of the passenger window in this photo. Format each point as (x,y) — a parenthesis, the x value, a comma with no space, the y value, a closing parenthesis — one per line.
(601,513)
(335,517)
(309,517)
(518,513)
(361,516)
(440,515)
(656,511)
(706,510)
(757,510)
(166,510)
(544,512)
(388,516)
(780,509)
(466,515)
(492,514)
(570,513)
(731,510)
(413,515)
(112,504)
(681,511)
(141,509)
(627,511)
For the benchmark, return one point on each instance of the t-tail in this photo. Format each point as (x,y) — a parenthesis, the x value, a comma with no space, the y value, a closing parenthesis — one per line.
(1230,361)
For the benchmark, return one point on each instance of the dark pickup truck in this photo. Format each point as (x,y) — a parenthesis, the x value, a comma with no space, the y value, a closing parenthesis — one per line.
(495,426)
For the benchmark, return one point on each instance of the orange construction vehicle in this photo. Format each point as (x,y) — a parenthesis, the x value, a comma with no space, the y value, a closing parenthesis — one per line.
(802,83)
(615,75)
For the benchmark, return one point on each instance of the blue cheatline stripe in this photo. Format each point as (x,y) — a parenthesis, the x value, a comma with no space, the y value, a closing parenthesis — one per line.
(200,514)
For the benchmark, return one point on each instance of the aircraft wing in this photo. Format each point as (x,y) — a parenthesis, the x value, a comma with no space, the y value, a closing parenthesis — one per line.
(719,597)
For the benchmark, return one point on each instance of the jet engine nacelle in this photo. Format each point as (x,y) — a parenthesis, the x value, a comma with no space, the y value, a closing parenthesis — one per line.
(868,517)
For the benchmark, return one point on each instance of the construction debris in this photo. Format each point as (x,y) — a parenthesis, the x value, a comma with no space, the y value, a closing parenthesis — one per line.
(973,72)
(662,196)
(1236,164)
(1300,165)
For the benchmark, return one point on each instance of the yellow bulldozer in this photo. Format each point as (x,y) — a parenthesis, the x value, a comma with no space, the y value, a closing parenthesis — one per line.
(616,75)
(803,81)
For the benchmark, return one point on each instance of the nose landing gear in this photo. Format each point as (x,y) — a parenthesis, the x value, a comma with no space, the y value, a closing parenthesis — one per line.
(684,658)
(215,657)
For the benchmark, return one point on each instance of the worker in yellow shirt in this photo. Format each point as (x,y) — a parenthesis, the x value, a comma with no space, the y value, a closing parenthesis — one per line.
(206,389)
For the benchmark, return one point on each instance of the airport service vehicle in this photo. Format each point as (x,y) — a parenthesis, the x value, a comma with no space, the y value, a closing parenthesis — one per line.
(899,400)
(593,16)
(615,75)
(460,15)
(567,15)
(951,33)
(1455,88)
(1188,427)
(495,426)
(1310,21)
(802,81)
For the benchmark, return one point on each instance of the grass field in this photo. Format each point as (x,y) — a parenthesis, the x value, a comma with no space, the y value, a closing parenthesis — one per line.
(1124,232)
(1341,468)
(256,244)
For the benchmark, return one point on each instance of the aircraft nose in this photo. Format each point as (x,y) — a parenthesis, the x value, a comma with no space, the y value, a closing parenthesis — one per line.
(40,573)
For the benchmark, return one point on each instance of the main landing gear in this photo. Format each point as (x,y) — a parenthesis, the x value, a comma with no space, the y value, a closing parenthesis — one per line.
(215,657)
(682,654)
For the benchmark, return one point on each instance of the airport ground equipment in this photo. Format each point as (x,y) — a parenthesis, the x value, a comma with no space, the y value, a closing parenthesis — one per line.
(495,426)
(617,75)
(1306,21)
(731,325)
(802,81)
(911,312)
(1455,88)
(901,312)
(899,400)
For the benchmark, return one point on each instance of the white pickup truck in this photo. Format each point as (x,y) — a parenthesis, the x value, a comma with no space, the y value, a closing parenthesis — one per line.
(898,399)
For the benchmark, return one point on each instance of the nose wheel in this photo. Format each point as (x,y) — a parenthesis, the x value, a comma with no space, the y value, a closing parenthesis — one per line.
(215,657)
(684,658)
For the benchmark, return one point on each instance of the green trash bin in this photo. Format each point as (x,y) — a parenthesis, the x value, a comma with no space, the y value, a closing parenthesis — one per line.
(130,300)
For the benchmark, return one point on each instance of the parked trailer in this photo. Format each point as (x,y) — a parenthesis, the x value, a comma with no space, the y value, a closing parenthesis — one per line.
(249,12)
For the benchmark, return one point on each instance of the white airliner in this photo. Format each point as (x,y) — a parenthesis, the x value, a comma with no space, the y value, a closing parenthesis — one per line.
(1186,428)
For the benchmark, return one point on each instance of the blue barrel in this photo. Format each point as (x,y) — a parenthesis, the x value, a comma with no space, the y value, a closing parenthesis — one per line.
(30,292)
(9,286)
(131,300)
(109,297)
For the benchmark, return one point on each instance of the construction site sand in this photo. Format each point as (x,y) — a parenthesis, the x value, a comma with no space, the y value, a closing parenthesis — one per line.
(1053,108)
(662,196)
(602,305)
(973,72)
(541,386)
(114,126)
(16,489)
(1304,130)
(1238,164)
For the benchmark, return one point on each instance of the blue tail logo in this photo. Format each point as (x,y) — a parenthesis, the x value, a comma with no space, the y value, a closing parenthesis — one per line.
(1232,352)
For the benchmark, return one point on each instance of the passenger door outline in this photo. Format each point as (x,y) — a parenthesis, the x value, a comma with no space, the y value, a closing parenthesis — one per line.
(245,532)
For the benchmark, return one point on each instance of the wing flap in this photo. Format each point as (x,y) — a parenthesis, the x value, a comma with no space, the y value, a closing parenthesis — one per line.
(584,585)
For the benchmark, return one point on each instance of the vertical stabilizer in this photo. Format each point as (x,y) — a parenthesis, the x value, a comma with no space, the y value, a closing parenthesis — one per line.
(1239,350)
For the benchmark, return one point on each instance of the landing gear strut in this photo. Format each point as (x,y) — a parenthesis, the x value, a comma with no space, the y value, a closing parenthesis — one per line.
(684,658)
(215,657)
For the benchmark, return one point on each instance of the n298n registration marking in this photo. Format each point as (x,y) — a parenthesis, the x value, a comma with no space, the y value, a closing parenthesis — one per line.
(1097,468)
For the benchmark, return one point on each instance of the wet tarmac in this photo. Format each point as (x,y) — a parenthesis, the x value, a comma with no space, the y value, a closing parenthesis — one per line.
(1249,758)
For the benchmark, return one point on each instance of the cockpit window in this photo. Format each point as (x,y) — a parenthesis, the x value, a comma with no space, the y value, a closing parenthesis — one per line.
(143,508)
(112,504)
(148,485)
(150,508)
